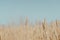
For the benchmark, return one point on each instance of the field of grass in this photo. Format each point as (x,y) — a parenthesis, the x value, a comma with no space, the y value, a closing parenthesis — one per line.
(38,31)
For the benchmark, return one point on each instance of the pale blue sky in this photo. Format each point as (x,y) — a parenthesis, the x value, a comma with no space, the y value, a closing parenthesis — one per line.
(34,9)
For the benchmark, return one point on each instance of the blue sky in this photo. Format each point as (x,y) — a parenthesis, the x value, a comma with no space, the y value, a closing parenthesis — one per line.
(12,10)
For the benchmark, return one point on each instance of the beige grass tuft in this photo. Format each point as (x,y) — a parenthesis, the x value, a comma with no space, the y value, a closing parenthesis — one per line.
(43,31)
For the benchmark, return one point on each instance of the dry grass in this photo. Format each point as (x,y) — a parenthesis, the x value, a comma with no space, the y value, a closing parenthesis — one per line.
(43,31)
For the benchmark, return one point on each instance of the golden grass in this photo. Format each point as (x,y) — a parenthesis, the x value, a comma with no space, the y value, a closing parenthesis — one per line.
(43,31)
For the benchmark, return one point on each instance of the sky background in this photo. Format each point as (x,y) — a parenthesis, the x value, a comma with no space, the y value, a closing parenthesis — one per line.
(12,10)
